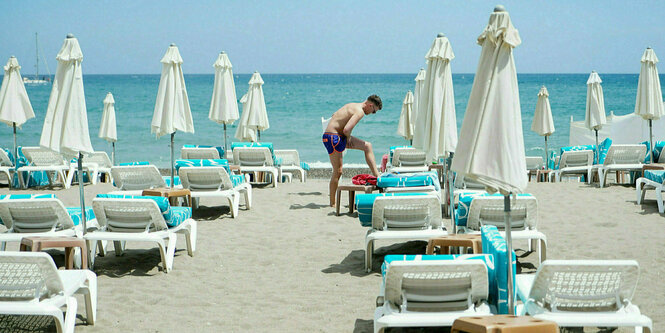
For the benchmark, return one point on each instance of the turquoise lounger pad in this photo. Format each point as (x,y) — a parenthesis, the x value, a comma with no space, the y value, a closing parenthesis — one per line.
(365,203)
(237,180)
(655,175)
(27,196)
(176,180)
(172,215)
(304,166)
(220,149)
(134,163)
(178,215)
(428,178)
(657,150)
(495,244)
(488,259)
(202,163)
(462,210)
(75,214)
(38,178)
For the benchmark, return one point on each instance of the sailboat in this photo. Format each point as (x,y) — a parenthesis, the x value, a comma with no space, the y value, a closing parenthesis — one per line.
(45,79)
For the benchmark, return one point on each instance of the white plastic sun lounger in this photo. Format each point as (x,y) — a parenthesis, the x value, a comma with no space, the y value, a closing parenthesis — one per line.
(215,182)
(31,285)
(622,158)
(578,162)
(583,293)
(43,160)
(650,182)
(94,164)
(134,179)
(408,160)
(199,153)
(524,218)
(255,159)
(123,220)
(6,166)
(428,293)
(290,162)
(403,218)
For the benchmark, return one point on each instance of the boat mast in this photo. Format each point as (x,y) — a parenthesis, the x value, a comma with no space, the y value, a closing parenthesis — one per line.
(36,57)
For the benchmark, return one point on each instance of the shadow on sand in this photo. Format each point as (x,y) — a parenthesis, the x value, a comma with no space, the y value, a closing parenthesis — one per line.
(308,206)
(354,262)
(135,262)
(211,213)
(305,193)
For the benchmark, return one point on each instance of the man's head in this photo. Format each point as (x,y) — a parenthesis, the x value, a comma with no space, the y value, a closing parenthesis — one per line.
(373,104)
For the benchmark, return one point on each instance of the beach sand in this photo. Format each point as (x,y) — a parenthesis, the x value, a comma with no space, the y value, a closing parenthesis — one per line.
(291,265)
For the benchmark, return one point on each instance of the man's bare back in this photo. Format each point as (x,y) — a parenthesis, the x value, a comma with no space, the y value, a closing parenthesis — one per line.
(341,118)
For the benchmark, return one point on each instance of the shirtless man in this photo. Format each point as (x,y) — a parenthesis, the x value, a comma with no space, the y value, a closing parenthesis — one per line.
(337,137)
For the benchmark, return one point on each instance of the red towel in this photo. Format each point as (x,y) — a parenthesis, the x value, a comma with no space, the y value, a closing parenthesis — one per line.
(364,179)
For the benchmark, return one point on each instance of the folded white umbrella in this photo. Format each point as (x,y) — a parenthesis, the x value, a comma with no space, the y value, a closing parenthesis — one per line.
(254,115)
(542,123)
(107,129)
(66,123)
(172,111)
(649,102)
(15,107)
(595,106)
(405,125)
(224,104)
(491,143)
(417,93)
(436,124)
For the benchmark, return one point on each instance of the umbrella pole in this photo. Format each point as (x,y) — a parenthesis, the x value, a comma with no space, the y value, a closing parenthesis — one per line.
(172,153)
(81,192)
(113,153)
(10,181)
(597,150)
(547,156)
(450,180)
(509,248)
(259,139)
(653,154)
(225,144)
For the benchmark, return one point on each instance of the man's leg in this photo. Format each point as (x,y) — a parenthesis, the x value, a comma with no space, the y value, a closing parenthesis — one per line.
(336,161)
(355,143)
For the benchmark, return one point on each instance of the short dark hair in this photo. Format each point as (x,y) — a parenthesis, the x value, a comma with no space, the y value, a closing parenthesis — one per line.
(376,100)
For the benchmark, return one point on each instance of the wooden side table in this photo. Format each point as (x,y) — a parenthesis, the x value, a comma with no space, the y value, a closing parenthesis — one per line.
(545,175)
(171,194)
(352,194)
(439,171)
(503,324)
(36,244)
(474,241)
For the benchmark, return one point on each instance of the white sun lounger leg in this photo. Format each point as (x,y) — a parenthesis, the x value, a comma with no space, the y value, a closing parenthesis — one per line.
(369,251)
(70,315)
(640,190)
(588,176)
(189,230)
(659,199)
(90,294)
(234,202)
(246,190)
(602,175)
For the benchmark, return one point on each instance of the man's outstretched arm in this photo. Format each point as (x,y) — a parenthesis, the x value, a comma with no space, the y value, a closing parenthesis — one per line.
(351,124)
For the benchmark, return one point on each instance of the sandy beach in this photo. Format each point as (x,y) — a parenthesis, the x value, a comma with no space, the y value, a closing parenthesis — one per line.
(291,265)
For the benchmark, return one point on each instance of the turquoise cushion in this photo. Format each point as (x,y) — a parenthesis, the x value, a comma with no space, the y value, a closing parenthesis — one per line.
(27,196)
(304,166)
(172,215)
(655,175)
(365,203)
(75,214)
(428,178)
(134,163)
(657,149)
(202,163)
(488,259)
(176,180)
(178,215)
(495,244)
(462,210)
(162,202)
(38,178)
(604,148)
(237,180)
(220,149)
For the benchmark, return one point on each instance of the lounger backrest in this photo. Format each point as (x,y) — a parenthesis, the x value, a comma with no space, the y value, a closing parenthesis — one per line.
(534,162)
(137,177)
(205,178)
(626,154)
(290,157)
(128,215)
(468,183)
(252,156)
(4,158)
(405,157)
(199,153)
(406,212)
(436,285)
(35,215)
(28,275)
(490,210)
(576,158)
(42,157)
(101,158)
(584,285)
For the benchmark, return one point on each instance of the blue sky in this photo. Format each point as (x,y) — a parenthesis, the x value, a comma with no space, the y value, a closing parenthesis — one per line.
(342,36)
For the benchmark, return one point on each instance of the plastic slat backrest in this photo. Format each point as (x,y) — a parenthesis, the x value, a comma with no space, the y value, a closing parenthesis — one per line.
(489,210)
(437,281)
(4,158)
(27,276)
(290,157)
(534,162)
(199,153)
(137,177)
(252,156)
(576,158)
(42,157)
(101,158)
(626,154)
(583,285)
(205,178)
(405,157)
(406,212)
(128,215)
(35,215)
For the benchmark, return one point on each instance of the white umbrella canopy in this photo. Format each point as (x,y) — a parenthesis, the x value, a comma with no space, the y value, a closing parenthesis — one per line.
(436,123)
(405,125)
(107,129)
(254,114)
(491,144)
(15,107)
(420,85)
(543,124)
(595,106)
(649,102)
(224,104)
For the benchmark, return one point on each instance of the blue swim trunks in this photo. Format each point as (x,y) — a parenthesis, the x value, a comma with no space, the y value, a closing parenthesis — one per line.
(334,142)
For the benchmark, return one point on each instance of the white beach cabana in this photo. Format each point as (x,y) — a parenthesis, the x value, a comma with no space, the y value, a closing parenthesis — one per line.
(224,104)
(107,128)
(172,112)
(491,143)
(436,124)
(649,101)
(543,124)
(595,106)
(405,125)
(66,123)
(254,118)
(15,106)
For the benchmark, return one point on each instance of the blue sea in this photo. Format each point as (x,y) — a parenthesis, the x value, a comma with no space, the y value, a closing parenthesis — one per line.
(296,103)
